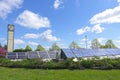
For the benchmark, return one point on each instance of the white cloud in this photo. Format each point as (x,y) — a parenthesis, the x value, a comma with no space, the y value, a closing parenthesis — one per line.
(108,16)
(57,4)
(61,44)
(118,1)
(83,30)
(32,20)
(31,35)
(96,28)
(47,36)
(18,42)
(7,6)
(33,43)
(102,40)
(118,41)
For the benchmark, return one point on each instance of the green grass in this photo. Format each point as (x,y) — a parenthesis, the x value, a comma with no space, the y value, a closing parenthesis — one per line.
(38,74)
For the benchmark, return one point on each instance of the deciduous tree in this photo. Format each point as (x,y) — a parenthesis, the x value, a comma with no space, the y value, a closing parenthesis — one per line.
(54,47)
(74,45)
(95,44)
(110,44)
(40,48)
(28,48)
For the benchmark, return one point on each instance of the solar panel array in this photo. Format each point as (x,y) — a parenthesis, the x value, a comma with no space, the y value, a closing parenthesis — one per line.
(30,55)
(68,53)
(43,55)
(53,54)
(90,52)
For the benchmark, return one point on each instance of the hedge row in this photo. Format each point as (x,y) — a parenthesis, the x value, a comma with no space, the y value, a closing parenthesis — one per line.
(65,64)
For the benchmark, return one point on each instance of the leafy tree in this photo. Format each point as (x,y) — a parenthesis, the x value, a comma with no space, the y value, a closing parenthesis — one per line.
(40,48)
(19,50)
(54,47)
(28,48)
(95,44)
(74,45)
(103,46)
(110,44)
(2,52)
(0,45)
(5,46)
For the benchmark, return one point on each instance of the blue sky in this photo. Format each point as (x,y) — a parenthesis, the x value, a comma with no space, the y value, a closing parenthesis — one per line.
(62,21)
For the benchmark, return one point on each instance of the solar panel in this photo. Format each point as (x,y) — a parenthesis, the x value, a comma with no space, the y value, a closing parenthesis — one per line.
(37,54)
(76,52)
(53,54)
(86,52)
(11,55)
(22,55)
(90,52)
(68,53)
(32,55)
(43,54)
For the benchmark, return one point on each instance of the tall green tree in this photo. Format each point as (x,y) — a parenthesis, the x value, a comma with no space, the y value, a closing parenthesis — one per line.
(28,48)
(54,47)
(5,47)
(103,46)
(95,44)
(40,48)
(110,44)
(0,45)
(74,45)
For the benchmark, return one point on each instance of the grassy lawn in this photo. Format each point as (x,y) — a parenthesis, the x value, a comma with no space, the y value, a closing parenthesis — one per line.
(37,74)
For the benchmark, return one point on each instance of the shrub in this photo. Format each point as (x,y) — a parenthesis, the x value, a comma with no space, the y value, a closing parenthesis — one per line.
(74,65)
(87,63)
(65,64)
(2,52)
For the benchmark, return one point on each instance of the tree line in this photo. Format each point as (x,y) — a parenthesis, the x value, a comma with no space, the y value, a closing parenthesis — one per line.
(38,48)
(95,44)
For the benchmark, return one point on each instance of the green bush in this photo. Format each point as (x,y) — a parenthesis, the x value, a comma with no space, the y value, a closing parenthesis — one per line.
(87,63)
(65,64)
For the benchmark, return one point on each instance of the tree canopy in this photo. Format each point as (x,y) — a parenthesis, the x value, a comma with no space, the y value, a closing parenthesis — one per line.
(19,50)
(110,44)
(0,45)
(2,52)
(95,44)
(5,46)
(74,45)
(28,48)
(40,48)
(54,47)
